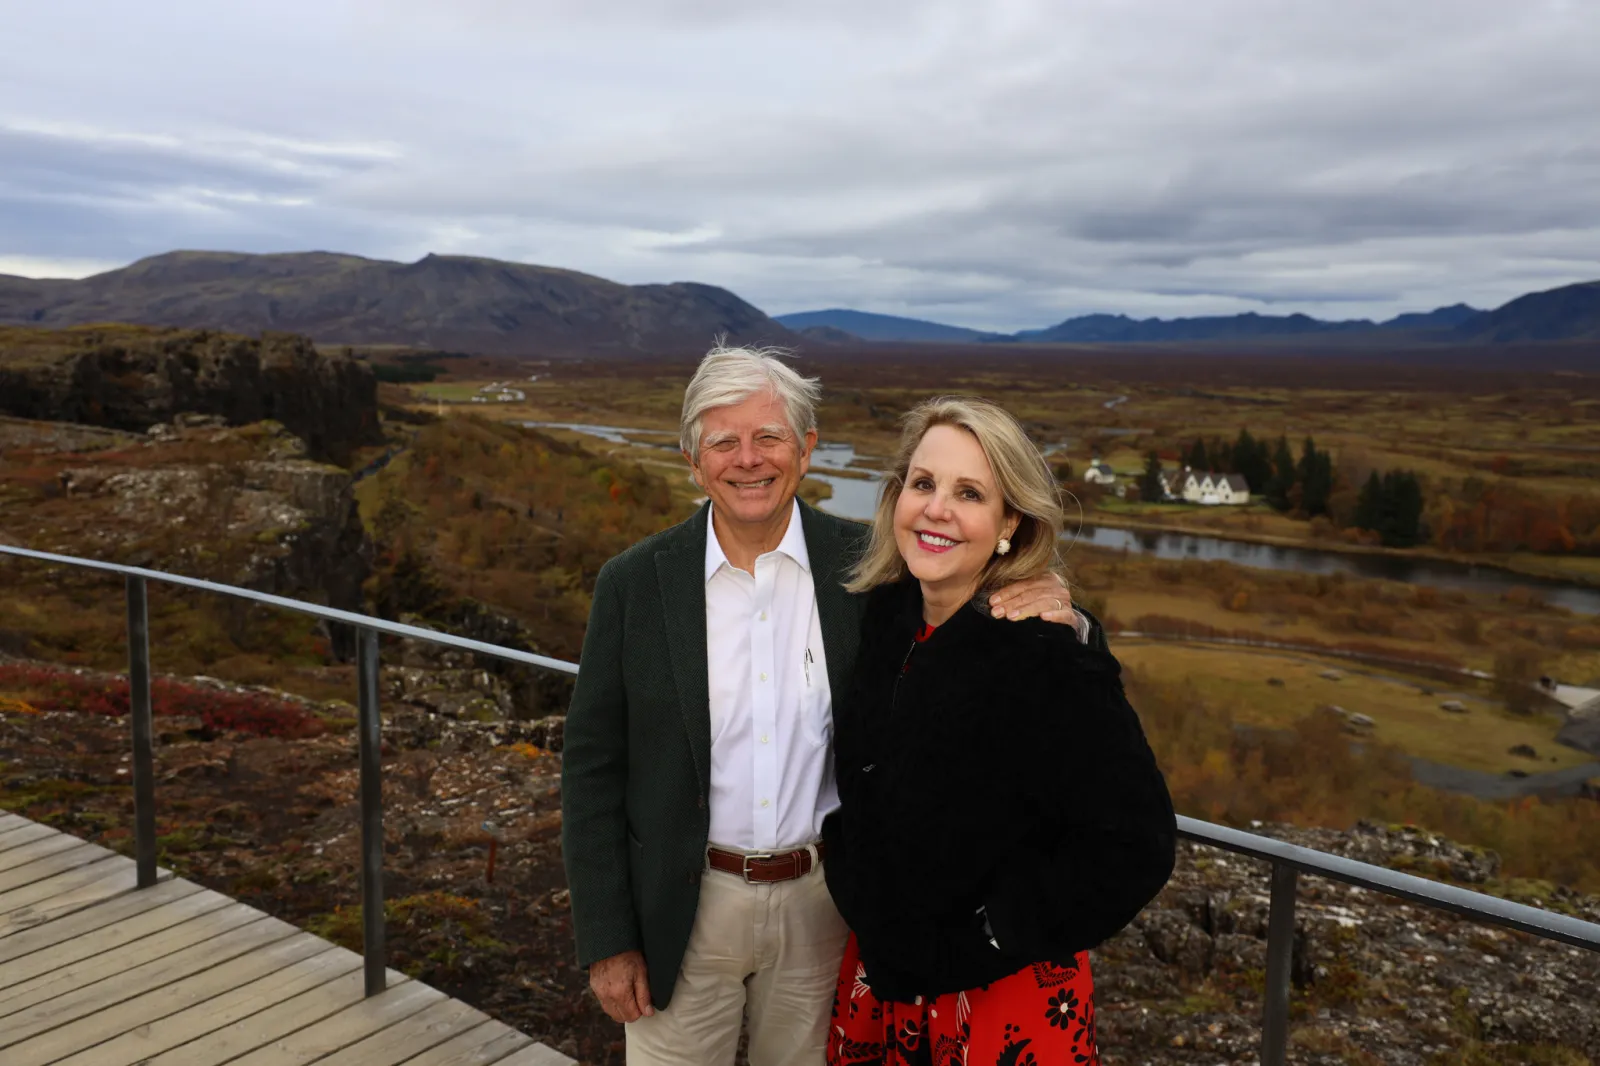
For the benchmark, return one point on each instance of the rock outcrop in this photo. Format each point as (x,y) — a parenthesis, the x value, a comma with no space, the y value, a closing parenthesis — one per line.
(131,378)
(242,505)
(1582,728)
(1375,979)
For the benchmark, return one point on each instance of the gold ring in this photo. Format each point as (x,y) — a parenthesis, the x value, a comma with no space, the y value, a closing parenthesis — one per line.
(1058,605)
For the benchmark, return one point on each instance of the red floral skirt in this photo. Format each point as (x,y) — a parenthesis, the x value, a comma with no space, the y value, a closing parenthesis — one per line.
(1041,1015)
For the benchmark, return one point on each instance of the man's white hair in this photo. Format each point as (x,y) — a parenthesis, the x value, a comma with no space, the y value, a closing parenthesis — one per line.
(728,376)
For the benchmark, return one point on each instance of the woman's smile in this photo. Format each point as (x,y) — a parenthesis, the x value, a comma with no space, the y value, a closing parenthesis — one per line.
(934,542)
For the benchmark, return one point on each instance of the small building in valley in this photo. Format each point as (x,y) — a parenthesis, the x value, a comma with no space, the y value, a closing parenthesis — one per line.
(1193,486)
(1100,473)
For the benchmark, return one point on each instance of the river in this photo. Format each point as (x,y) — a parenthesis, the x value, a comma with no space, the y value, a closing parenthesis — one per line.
(1437,573)
(856,496)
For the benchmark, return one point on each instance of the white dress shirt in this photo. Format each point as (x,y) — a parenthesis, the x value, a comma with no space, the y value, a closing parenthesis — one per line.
(772,779)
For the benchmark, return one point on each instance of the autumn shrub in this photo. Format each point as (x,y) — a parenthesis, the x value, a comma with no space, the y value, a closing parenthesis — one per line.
(1584,638)
(434,937)
(54,689)
(509,517)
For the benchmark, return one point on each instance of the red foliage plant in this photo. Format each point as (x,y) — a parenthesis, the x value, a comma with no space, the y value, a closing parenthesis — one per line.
(54,689)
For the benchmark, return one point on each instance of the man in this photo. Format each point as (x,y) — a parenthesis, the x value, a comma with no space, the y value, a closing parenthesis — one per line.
(697,764)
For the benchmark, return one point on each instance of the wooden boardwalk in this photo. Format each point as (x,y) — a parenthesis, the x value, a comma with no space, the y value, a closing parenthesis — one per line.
(97,972)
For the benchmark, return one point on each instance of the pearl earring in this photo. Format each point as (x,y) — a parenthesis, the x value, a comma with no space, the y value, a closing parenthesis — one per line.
(1003,547)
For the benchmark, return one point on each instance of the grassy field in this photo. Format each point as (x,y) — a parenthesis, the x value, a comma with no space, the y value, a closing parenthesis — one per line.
(1406,709)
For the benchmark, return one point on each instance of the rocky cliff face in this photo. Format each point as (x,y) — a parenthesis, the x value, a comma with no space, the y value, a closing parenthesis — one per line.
(131,378)
(241,505)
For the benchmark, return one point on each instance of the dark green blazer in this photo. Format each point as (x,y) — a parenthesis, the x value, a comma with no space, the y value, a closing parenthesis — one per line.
(637,750)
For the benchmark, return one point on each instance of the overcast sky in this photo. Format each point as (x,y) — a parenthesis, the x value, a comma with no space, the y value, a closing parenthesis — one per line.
(993,163)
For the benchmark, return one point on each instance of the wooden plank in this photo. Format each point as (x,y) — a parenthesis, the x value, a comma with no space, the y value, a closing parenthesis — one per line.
(39,891)
(481,1045)
(60,1008)
(195,932)
(142,1010)
(123,908)
(9,821)
(51,865)
(111,937)
(57,901)
(537,1055)
(338,1032)
(27,834)
(427,1028)
(231,1011)
(38,849)
(275,1023)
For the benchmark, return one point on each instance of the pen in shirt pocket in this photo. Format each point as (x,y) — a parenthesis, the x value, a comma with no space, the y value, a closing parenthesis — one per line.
(806,664)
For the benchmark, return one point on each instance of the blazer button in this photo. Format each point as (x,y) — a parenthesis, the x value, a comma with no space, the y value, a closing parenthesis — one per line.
(694,877)
(702,803)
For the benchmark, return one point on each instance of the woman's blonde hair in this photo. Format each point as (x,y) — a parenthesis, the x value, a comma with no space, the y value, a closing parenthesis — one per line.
(1023,478)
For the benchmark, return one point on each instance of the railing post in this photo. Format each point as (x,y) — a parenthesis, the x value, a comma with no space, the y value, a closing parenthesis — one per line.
(139,712)
(1280,958)
(371,741)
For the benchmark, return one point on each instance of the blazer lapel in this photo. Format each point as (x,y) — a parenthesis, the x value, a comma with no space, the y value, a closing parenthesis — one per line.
(835,609)
(681,573)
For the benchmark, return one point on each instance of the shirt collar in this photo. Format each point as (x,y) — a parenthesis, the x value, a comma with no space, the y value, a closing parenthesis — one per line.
(793,545)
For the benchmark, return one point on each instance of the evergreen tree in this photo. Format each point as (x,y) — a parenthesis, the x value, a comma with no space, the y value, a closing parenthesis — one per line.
(1281,483)
(1221,456)
(1316,479)
(1391,506)
(1405,505)
(1253,459)
(1368,504)
(1196,456)
(1150,481)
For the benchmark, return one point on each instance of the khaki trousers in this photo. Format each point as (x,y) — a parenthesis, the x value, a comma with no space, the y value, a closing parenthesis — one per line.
(775,949)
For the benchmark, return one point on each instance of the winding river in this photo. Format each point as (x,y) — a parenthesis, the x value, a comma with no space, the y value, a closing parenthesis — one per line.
(855,495)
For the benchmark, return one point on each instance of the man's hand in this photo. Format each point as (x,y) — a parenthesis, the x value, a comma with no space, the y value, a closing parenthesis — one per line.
(622,985)
(1045,596)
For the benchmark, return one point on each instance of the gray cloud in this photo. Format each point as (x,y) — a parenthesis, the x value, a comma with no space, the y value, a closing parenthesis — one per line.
(1006,164)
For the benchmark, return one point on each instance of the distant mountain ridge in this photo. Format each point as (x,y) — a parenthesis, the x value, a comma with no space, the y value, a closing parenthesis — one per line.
(1571,312)
(440,301)
(874,327)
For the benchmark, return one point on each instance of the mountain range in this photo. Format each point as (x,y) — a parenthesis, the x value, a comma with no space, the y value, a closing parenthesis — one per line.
(493,307)
(1568,313)
(441,301)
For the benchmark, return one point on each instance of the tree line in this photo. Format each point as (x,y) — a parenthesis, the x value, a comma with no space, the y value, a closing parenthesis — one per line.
(1271,470)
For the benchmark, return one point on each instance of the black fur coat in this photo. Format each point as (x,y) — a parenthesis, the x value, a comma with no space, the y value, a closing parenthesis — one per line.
(995,766)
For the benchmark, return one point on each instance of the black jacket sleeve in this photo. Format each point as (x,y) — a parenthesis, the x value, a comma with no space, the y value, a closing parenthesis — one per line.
(1107,836)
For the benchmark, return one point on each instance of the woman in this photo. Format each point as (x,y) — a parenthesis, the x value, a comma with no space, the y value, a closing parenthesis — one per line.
(1001,812)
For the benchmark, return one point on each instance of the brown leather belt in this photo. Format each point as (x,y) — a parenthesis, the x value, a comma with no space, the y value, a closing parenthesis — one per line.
(764,868)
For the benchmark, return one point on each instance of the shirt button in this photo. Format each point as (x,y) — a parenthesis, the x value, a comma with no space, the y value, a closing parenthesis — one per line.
(763,738)
(763,616)
(763,677)
(765,803)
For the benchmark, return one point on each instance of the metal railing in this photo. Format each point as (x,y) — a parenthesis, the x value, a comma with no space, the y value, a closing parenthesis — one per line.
(368,728)
(1287,861)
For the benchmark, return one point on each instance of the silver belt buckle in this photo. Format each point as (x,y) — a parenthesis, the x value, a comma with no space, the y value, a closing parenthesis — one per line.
(747,858)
